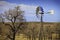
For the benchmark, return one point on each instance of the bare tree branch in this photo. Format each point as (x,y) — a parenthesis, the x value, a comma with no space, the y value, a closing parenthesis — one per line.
(15,19)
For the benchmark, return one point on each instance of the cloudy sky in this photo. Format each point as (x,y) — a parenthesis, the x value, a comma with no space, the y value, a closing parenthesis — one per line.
(29,7)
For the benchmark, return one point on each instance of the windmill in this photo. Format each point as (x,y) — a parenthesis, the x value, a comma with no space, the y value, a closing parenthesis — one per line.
(40,12)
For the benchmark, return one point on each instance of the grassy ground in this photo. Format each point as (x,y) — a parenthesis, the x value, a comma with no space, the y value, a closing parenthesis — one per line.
(53,27)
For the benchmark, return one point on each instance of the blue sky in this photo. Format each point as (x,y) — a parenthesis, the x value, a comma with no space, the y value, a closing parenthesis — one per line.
(29,6)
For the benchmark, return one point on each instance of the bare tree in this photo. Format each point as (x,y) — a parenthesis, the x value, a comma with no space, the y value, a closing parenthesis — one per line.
(0,28)
(13,19)
(0,31)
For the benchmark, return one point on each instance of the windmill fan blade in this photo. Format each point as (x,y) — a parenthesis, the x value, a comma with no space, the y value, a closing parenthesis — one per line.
(37,10)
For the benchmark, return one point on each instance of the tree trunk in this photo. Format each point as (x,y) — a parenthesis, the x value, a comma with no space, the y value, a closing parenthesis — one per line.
(13,36)
(34,38)
(59,36)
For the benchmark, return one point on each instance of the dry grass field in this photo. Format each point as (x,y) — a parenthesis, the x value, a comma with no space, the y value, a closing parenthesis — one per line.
(50,27)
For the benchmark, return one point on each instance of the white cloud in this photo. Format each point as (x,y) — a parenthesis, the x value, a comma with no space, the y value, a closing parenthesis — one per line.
(3,3)
(6,5)
(28,9)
